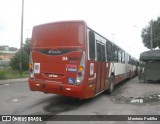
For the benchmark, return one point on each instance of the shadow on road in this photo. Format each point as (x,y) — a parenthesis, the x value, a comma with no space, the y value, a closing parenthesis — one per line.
(58,104)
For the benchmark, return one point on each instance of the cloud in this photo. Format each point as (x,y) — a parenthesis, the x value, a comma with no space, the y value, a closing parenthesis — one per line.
(2,28)
(107,17)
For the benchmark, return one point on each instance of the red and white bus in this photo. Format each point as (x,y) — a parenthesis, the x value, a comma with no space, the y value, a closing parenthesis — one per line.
(71,59)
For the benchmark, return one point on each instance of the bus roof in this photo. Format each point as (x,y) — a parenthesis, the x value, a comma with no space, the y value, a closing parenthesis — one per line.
(59,34)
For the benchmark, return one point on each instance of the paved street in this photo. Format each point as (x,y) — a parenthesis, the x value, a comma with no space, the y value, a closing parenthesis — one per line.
(130,97)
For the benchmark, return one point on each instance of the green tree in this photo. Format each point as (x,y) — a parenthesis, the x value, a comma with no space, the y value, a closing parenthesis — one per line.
(2,48)
(146,34)
(15,61)
(27,45)
(12,49)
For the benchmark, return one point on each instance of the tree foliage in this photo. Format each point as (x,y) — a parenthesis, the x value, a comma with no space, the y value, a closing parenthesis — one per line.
(2,48)
(15,61)
(12,49)
(146,34)
(27,45)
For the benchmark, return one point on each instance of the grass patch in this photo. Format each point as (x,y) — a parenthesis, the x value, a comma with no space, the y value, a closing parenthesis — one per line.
(7,73)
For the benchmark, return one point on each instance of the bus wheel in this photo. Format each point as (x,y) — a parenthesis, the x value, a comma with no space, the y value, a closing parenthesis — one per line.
(111,85)
(130,75)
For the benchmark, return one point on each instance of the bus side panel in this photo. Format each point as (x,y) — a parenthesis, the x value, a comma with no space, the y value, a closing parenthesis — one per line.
(103,76)
(108,73)
(120,69)
(90,82)
(98,78)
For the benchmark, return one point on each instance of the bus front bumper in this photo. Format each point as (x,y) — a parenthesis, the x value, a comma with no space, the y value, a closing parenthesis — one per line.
(56,88)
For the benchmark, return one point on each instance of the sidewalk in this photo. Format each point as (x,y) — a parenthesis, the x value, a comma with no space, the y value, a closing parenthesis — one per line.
(12,81)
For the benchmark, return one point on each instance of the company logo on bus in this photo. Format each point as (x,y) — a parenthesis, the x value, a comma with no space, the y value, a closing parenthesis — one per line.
(54,52)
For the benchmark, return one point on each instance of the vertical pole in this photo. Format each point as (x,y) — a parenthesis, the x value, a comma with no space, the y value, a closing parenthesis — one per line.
(21,42)
(113,36)
(151,40)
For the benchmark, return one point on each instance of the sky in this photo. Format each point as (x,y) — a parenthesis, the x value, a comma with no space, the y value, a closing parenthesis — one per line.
(120,21)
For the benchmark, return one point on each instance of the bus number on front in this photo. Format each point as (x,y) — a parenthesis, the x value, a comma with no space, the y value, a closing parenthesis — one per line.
(64,58)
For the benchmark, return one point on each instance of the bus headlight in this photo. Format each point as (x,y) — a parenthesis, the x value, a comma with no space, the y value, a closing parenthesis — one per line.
(31,71)
(81,70)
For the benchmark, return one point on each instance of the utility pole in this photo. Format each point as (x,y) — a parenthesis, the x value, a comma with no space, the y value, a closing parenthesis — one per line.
(113,36)
(151,40)
(21,42)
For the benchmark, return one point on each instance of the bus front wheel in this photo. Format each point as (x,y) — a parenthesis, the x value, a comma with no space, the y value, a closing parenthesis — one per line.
(111,85)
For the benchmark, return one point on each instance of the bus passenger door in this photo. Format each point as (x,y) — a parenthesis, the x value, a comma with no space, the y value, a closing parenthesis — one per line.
(101,67)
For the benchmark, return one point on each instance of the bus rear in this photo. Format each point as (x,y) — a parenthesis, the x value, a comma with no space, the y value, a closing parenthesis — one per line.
(58,58)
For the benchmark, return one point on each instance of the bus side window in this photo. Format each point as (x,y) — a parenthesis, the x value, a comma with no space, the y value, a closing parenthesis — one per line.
(112,52)
(123,57)
(99,52)
(119,56)
(109,51)
(103,53)
(115,54)
(130,60)
(91,45)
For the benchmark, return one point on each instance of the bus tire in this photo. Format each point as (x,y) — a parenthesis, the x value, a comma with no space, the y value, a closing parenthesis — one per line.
(130,75)
(111,84)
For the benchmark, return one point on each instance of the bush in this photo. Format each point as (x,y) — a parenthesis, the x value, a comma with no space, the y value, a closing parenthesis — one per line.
(15,61)
(2,75)
(8,73)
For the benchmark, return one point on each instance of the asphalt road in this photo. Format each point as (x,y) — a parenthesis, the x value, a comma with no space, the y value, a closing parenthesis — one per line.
(129,98)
